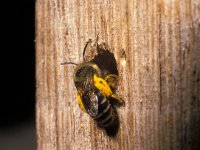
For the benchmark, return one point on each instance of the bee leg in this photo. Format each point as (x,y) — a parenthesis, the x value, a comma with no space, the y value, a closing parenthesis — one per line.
(105,88)
(80,103)
(102,85)
(116,100)
(112,81)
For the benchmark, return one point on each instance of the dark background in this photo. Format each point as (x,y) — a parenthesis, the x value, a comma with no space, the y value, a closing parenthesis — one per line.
(17,107)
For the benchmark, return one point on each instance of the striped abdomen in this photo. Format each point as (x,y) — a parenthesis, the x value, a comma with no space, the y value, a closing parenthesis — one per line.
(99,108)
(105,116)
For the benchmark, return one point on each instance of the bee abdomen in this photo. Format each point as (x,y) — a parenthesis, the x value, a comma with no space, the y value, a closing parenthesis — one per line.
(106,115)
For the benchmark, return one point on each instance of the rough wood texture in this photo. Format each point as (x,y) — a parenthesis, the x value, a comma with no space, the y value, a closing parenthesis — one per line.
(157,47)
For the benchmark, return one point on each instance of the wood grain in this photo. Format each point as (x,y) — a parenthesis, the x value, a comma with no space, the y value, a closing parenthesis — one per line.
(157,47)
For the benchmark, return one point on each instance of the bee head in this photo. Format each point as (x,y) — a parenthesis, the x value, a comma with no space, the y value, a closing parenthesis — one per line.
(84,75)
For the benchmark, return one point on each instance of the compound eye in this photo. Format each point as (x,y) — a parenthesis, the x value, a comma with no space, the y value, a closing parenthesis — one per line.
(78,73)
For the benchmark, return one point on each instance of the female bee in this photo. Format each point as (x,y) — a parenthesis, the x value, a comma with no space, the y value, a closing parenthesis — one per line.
(96,82)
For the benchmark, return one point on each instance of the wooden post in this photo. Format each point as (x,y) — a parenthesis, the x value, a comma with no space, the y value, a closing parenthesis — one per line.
(157,47)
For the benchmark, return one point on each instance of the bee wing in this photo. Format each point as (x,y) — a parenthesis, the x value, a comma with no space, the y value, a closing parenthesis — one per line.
(91,103)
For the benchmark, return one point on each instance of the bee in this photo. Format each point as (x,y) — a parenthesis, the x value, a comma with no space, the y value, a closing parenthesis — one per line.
(96,81)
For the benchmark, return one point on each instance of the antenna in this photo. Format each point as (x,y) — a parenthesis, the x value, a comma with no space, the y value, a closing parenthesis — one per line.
(72,63)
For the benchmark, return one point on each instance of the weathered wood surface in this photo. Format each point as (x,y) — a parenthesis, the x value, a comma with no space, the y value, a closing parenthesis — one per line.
(160,72)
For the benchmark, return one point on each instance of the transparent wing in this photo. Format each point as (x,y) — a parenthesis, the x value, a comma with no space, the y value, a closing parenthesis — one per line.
(91,102)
